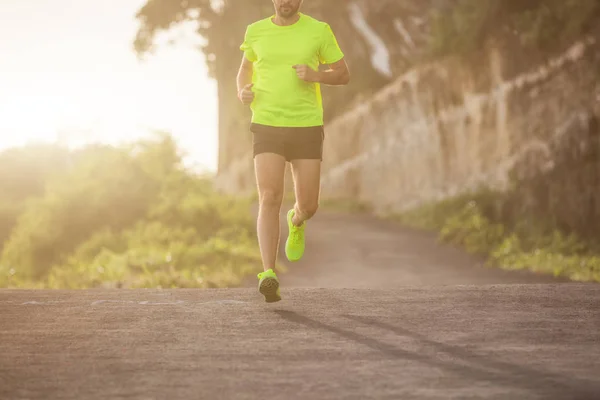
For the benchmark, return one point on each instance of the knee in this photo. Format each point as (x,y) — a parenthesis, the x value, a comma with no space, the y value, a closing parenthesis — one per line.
(270,198)
(308,209)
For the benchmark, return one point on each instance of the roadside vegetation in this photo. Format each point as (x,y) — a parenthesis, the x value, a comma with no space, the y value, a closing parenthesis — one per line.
(119,217)
(485,223)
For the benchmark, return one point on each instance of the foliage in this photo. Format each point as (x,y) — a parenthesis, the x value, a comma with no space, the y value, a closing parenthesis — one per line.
(215,25)
(468,227)
(473,222)
(466,25)
(126,217)
(23,175)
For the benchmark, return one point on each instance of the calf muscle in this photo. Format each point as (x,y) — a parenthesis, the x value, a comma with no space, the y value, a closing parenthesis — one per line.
(307,183)
(270,172)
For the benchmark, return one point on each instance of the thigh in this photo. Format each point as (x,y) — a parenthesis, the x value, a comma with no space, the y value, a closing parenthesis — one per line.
(270,172)
(307,181)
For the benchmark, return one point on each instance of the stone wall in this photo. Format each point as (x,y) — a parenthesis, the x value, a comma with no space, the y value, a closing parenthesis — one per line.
(449,127)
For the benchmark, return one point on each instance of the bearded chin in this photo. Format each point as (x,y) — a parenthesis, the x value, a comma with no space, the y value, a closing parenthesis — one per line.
(288,12)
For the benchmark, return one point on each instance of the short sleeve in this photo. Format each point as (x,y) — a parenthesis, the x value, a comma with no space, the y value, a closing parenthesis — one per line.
(330,51)
(246,47)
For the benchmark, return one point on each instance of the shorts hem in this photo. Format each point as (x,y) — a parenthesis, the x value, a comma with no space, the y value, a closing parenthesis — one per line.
(292,143)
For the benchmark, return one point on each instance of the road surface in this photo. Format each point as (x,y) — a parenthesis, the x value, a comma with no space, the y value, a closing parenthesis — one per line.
(385,313)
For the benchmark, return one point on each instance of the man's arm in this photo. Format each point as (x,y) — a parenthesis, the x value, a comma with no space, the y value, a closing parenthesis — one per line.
(244,76)
(244,81)
(338,74)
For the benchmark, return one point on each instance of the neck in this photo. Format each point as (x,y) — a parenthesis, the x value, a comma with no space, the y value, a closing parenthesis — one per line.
(279,20)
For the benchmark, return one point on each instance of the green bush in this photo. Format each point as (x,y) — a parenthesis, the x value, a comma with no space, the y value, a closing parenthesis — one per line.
(470,228)
(562,257)
(107,190)
(129,217)
(471,222)
(156,255)
(24,172)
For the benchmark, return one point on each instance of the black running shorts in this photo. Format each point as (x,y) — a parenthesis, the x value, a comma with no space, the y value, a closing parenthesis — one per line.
(293,143)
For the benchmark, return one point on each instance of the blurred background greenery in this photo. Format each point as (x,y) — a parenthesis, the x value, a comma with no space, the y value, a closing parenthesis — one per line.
(119,217)
(133,215)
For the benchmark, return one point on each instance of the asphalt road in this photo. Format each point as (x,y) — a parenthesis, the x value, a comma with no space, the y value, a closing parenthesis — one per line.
(385,313)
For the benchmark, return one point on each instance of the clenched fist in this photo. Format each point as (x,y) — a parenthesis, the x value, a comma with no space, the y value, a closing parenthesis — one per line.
(246,95)
(306,73)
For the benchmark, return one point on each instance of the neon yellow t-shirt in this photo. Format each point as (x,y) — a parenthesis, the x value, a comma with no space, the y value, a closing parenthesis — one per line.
(280,97)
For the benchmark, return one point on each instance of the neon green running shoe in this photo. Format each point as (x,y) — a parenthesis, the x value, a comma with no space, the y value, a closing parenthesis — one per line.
(294,245)
(268,286)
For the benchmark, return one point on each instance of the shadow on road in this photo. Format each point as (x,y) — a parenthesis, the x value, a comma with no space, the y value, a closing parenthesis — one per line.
(550,386)
(519,375)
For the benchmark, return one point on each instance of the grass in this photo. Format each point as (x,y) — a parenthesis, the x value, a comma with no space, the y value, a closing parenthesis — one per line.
(526,245)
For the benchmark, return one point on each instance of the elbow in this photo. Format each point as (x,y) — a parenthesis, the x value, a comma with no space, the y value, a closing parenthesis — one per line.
(346,78)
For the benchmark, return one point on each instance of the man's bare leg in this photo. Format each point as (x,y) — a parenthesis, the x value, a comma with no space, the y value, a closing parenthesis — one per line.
(307,184)
(270,173)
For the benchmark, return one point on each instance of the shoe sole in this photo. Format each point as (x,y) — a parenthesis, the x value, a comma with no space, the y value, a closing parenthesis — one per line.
(268,288)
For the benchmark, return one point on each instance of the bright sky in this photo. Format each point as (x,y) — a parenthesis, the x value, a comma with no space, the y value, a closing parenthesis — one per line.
(68,67)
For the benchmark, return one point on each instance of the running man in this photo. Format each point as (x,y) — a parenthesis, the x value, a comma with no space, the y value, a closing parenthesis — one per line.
(279,78)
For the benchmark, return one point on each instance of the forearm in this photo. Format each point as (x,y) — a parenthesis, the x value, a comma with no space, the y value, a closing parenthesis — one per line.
(333,77)
(244,77)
